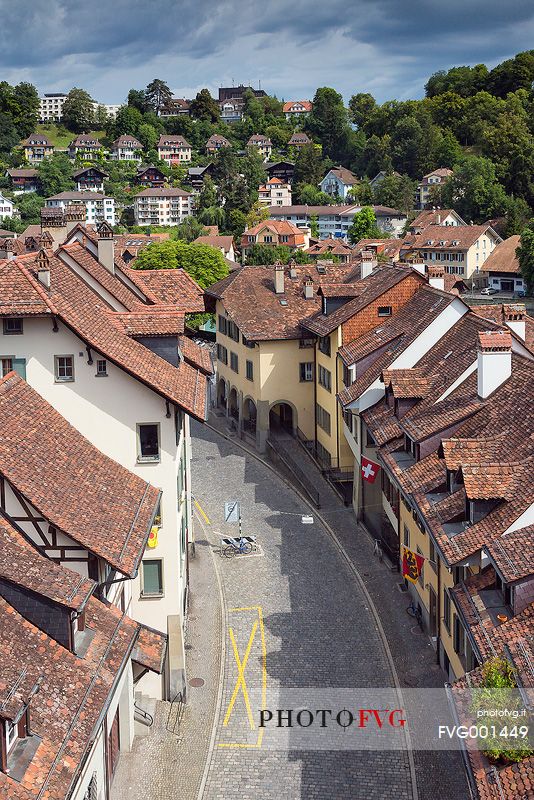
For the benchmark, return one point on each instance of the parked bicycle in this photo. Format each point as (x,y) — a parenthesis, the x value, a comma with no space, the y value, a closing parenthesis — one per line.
(235,547)
(415,612)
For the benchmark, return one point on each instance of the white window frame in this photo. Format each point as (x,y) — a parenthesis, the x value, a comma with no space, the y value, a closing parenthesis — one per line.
(141,459)
(57,377)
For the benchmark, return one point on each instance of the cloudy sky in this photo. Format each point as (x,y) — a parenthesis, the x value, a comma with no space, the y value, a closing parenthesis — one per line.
(386,47)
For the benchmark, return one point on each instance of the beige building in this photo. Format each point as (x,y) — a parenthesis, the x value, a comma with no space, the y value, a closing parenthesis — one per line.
(37,147)
(162,206)
(436,179)
(173,149)
(460,249)
(262,143)
(275,193)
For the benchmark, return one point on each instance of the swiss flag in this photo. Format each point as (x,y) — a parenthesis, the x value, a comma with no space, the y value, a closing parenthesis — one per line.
(369,470)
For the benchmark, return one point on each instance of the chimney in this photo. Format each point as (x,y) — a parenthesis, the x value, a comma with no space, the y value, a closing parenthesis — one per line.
(514,316)
(74,214)
(43,268)
(106,247)
(436,277)
(279,278)
(369,263)
(494,361)
(292,268)
(308,289)
(8,247)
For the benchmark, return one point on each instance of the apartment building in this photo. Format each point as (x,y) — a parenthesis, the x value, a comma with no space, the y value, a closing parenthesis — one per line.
(104,345)
(459,249)
(98,207)
(89,179)
(336,220)
(274,193)
(262,144)
(275,232)
(163,206)
(173,149)
(51,107)
(85,146)
(435,179)
(126,148)
(37,147)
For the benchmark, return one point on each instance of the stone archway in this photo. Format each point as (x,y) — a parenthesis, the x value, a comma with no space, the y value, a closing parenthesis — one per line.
(233,404)
(283,417)
(250,416)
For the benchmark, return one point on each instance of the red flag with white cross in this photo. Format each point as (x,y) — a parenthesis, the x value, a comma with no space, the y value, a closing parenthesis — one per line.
(369,470)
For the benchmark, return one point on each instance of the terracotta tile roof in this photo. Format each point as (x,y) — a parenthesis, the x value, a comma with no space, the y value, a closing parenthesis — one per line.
(299,138)
(390,247)
(331,211)
(150,649)
(259,138)
(288,107)
(103,276)
(495,340)
(215,139)
(338,290)
(22,173)
(58,463)
(74,693)
(151,321)
(441,172)
(249,297)
(406,383)
(127,141)
(330,246)
(433,216)
(23,565)
(465,235)
(81,196)
(38,139)
(85,140)
(169,286)
(368,289)
(224,242)
(196,355)
(513,554)
(18,297)
(85,313)
(279,226)
(503,257)
(167,139)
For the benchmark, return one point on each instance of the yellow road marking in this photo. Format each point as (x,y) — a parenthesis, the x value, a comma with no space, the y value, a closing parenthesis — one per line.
(241,665)
(202,512)
(241,676)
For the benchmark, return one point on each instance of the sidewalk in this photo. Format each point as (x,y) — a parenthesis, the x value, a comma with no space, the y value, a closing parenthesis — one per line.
(413,655)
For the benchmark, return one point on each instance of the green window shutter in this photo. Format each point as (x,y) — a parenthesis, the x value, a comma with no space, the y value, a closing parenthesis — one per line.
(19,366)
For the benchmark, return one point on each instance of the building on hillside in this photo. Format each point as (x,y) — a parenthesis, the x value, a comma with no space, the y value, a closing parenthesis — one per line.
(232,101)
(37,147)
(502,267)
(297,109)
(275,193)
(284,170)
(129,245)
(215,143)
(388,249)
(197,175)
(98,207)
(162,206)
(177,107)
(51,107)
(150,177)
(85,146)
(7,208)
(23,180)
(126,148)
(435,216)
(231,111)
(326,248)
(89,179)
(461,249)
(50,610)
(173,149)
(437,178)
(338,182)
(336,220)
(275,232)
(129,396)
(223,243)
(298,140)
(262,144)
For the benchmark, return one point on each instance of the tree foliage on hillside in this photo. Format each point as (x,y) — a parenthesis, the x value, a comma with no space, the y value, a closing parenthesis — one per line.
(78,111)
(205,264)
(525,254)
(364,226)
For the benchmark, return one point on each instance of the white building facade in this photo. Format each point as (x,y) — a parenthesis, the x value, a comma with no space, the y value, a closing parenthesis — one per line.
(98,207)
(162,206)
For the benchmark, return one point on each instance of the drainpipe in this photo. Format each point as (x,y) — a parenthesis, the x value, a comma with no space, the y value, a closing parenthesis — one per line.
(438,612)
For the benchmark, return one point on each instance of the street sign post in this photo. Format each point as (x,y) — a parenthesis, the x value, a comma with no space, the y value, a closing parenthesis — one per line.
(232,513)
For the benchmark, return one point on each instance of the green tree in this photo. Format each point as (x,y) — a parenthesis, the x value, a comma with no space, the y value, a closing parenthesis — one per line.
(157,95)
(517,215)
(148,136)
(510,145)
(364,226)
(396,191)
(101,117)
(188,230)
(208,194)
(78,111)
(512,74)
(9,137)
(525,255)
(314,226)
(309,166)
(29,205)
(137,99)
(310,195)
(328,123)
(204,107)
(376,155)
(361,107)
(27,100)
(205,264)
(258,213)
(473,190)
(464,81)
(128,121)
(55,174)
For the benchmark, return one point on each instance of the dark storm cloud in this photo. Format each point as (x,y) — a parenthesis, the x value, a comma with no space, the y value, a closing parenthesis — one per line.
(389,47)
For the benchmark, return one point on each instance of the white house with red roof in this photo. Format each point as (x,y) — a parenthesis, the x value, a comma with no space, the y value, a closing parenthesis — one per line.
(297,109)
(275,193)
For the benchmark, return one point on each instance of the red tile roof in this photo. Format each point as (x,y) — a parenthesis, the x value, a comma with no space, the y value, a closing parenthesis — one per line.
(196,355)
(465,236)
(503,257)
(288,107)
(151,321)
(50,462)
(169,286)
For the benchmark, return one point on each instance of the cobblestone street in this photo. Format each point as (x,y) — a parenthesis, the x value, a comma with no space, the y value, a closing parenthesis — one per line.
(294,615)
